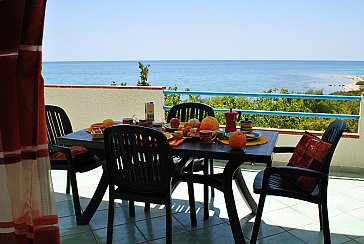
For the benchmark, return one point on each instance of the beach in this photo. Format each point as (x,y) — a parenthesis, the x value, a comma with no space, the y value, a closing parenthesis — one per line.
(353,86)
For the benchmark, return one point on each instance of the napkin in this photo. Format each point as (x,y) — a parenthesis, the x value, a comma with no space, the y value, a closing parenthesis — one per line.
(176,143)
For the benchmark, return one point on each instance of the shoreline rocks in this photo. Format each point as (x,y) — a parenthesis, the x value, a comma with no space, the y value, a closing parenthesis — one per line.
(353,86)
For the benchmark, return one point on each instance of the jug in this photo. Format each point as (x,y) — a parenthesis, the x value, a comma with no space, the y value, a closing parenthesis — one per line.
(230,121)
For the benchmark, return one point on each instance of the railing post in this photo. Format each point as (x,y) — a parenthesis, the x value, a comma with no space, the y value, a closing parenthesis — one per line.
(361,119)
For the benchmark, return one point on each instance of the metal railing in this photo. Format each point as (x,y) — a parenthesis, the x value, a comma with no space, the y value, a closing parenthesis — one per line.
(274,95)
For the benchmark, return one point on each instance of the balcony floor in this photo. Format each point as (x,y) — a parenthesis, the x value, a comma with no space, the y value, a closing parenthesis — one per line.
(284,220)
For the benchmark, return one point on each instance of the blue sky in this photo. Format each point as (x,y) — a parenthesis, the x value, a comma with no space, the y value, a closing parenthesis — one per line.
(204,30)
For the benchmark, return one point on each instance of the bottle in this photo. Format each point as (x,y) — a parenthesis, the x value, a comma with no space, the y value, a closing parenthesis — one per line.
(149,113)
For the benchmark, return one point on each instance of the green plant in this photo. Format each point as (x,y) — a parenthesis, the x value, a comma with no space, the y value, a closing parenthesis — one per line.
(144,70)
(279,104)
(172,99)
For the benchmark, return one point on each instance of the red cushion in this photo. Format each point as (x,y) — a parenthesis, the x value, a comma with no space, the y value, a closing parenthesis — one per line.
(75,150)
(310,153)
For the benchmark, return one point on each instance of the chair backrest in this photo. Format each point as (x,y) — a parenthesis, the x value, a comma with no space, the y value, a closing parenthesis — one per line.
(138,159)
(186,111)
(332,135)
(58,123)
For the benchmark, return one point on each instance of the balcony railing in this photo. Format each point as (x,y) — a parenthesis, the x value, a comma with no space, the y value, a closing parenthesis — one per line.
(274,95)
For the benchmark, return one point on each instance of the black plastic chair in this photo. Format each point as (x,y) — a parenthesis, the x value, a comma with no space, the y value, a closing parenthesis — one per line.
(275,181)
(140,167)
(58,124)
(185,112)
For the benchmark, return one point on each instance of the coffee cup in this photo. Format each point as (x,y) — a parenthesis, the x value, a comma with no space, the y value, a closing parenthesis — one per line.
(207,136)
(178,134)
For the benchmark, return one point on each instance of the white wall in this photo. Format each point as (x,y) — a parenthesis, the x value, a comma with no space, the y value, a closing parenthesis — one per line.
(86,105)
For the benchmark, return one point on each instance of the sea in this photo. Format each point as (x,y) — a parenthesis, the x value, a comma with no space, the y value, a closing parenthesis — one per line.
(210,75)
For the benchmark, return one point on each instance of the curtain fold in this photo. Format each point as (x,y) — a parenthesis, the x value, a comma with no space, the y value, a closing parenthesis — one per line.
(27,206)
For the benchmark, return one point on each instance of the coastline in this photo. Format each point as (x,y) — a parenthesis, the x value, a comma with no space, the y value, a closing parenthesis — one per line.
(353,86)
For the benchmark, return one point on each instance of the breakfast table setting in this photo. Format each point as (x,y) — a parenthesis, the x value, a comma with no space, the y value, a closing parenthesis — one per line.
(199,139)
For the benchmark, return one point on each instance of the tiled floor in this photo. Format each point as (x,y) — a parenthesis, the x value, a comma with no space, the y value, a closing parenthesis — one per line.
(284,220)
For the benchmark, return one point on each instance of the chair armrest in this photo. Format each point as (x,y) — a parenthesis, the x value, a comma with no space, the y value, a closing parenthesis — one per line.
(186,162)
(284,149)
(290,170)
(62,149)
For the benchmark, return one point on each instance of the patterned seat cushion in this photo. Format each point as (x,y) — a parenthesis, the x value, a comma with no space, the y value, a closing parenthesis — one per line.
(310,153)
(75,150)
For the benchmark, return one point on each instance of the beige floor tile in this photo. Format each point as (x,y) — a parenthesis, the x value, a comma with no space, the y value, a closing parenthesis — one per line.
(288,217)
(347,224)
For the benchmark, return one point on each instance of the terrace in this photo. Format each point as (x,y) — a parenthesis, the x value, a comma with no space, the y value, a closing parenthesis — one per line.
(284,220)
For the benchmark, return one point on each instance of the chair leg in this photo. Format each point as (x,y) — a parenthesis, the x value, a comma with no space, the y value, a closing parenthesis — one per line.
(325,223)
(131,209)
(110,220)
(211,173)
(320,215)
(169,221)
(206,191)
(68,183)
(191,196)
(146,207)
(258,217)
(75,196)
(233,214)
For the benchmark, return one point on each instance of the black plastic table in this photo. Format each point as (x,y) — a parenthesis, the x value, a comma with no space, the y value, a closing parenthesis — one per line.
(193,148)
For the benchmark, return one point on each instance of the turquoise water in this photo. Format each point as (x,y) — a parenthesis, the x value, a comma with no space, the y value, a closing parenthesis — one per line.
(237,76)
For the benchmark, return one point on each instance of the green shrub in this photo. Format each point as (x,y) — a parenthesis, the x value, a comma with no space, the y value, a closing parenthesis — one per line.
(279,104)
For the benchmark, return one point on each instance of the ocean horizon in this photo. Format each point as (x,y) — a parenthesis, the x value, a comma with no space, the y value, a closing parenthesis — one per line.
(211,75)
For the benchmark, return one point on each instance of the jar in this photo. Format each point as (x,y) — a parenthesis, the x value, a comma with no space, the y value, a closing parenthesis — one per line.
(246,126)
(128,121)
(157,125)
(142,122)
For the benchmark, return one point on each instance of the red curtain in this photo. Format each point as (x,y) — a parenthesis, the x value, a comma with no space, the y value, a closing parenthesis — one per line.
(27,205)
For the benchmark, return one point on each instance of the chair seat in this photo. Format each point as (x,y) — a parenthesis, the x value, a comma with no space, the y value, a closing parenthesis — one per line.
(282,181)
(282,186)
(147,195)
(82,162)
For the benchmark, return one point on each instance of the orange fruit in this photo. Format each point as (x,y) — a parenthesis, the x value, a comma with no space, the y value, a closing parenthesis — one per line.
(107,122)
(237,140)
(213,121)
(206,126)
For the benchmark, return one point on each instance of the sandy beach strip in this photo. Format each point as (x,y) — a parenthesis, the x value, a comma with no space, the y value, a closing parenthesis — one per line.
(353,86)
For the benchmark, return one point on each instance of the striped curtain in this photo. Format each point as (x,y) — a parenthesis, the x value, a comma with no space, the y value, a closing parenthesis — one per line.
(27,205)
